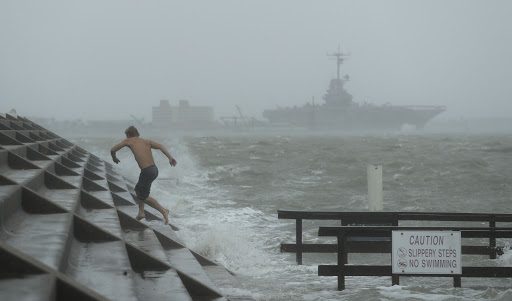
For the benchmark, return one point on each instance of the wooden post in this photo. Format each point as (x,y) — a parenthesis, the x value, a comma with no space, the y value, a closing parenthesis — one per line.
(457,282)
(492,238)
(395,280)
(374,175)
(342,260)
(298,239)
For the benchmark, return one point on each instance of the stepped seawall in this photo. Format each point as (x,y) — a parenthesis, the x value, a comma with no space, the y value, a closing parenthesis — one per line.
(69,230)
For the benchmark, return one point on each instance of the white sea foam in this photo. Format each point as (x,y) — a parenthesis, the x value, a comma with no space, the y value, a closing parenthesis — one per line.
(506,258)
(317,172)
(231,170)
(226,207)
(397,292)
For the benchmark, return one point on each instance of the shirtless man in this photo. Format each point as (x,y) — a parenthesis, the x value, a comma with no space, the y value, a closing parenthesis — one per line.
(141,149)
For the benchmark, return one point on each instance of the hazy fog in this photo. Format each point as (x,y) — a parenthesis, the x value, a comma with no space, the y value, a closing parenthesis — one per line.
(109,59)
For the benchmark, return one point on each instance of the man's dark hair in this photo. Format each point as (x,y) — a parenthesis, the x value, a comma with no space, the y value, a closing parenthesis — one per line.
(131,131)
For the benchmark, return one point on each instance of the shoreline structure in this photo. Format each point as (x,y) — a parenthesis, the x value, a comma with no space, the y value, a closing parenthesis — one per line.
(69,230)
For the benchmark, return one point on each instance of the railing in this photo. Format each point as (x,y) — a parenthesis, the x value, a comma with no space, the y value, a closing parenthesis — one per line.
(374,239)
(386,218)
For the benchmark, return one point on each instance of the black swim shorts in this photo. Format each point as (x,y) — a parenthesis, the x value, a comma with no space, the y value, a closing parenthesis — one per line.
(146,177)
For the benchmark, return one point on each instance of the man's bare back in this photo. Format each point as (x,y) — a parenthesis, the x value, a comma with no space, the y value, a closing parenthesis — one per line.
(141,149)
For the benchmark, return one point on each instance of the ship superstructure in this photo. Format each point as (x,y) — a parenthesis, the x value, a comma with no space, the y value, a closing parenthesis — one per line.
(339,111)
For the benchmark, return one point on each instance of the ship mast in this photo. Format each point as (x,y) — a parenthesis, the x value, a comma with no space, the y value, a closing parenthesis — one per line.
(340,57)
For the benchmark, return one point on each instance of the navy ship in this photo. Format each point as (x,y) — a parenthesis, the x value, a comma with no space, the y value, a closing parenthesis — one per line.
(339,111)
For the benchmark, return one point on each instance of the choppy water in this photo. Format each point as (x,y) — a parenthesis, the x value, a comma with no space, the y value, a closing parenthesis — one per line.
(226,190)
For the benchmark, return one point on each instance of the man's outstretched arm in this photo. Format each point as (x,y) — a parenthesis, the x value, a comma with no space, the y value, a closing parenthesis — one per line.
(164,150)
(115,148)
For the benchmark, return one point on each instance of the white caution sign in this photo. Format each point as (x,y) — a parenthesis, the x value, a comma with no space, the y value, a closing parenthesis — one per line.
(426,252)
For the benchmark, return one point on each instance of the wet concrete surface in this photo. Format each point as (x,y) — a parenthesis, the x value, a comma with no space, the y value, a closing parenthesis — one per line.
(123,199)
(68,228)
(7,190)
(73,180)
(103,266)
(146,240)
(160,285)
(26,288)
(183,260)
(19,176)
(105,196)
(104,218)
(42,236)
(66,198)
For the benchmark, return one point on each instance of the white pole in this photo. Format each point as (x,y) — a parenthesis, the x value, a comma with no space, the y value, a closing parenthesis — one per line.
(374,187)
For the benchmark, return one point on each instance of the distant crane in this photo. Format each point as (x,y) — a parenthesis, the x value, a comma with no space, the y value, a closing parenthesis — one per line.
(137,120)
(240,121)
(240,112)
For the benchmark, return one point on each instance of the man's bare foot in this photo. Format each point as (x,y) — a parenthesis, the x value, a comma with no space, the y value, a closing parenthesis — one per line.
(166,216)
(140,216)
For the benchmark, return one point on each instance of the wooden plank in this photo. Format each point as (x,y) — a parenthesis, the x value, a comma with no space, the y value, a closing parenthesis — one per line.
(385,270)
(426,216)
(494,272)
(352,247)
(385,231)
(309,248)
(354,270)
(329,215)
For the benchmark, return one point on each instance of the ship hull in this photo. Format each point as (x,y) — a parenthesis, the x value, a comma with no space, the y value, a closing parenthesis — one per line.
(354,117)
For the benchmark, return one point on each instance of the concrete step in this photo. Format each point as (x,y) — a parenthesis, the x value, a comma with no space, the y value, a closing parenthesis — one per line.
(66,198)
(68,228)
(28,288)
(106,219)
(102,266)
(42,236)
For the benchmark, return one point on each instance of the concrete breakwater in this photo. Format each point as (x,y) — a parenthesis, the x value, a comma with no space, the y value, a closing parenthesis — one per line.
(69,232)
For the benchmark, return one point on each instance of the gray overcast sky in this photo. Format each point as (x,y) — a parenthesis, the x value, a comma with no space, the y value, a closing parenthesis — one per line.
(109,59)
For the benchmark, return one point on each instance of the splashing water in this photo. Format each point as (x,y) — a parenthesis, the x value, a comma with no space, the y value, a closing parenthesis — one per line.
(225,192)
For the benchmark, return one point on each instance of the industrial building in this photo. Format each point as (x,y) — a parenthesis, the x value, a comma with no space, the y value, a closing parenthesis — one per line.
(182,116)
